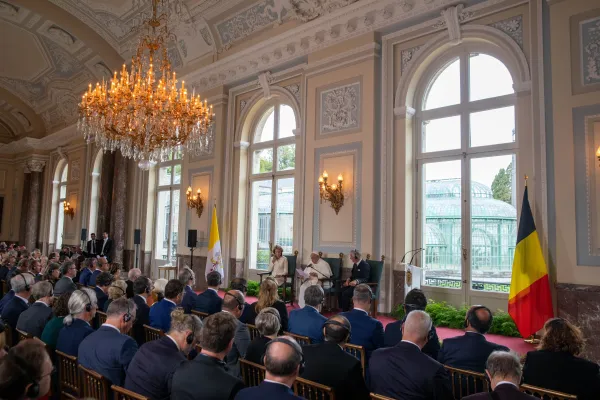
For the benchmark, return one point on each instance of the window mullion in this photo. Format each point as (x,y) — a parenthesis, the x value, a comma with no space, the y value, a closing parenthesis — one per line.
(273,209)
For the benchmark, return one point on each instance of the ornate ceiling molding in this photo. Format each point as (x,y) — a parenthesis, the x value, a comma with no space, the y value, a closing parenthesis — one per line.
(61,138)
(35,165)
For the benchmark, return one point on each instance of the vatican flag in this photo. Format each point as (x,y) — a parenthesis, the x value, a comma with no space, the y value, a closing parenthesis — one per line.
(214,261)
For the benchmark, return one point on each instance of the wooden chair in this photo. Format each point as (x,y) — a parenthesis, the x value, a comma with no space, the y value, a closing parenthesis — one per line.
(254,333)
(290,279)
(252,374)
(374,280)
(331,293)
(358,352)
(23,335)
(120,393)
(8,335)
(164,271)
(93,385)
(375,396)
(151,333)
(68,375)
(200,314)
(302,340)
(546,394)
(466,383)
(312,390)
(101,318)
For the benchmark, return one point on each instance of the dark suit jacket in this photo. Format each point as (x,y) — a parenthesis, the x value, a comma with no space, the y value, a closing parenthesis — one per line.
(34,319)
(393,336)
(246,313)
(96,251)
(329,365)
(256,350)
(404,372)
(101,297)
(361,272)
(107,248)
(267,391)
(129,290)
(502,392)
(189,300)
(241,341)
(208,302)
(151,371)
(307,321)
(64,285)
(279,306)
(204,378)
(6,299)
(71,336)
(93,276)
(160,315)
(84,277)
(11,313)
(3,272)
(469,351)
(562,372)
(108,352)
(142,318)
(366,331)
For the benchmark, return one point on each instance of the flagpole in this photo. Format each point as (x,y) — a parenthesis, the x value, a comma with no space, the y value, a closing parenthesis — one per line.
(531,339)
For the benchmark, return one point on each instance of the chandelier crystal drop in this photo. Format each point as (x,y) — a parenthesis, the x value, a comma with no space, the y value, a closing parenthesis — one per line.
(142,112)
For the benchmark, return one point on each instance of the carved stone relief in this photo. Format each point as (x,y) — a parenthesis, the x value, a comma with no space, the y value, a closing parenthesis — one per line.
(590,51)
(340,108)
(75,170)
(295,90)
(513,27)
(406,57)
(307,10)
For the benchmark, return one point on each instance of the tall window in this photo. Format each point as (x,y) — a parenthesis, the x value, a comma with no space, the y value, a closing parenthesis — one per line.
(272,165)
(466,164)
(167,210)
(59,207)
(95,194)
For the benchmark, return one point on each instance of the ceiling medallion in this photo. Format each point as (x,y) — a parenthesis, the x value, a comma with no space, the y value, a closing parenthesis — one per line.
(142,112)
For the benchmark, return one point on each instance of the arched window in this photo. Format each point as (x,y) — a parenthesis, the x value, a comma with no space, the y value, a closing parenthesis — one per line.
(95,194)
(59,195)
(272,163)
(467,155)
(167,210)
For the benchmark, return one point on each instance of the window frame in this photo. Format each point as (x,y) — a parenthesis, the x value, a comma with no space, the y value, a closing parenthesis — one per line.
(59,206)
(171,187)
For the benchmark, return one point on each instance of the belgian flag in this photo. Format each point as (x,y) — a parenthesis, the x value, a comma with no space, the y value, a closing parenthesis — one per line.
(530,299)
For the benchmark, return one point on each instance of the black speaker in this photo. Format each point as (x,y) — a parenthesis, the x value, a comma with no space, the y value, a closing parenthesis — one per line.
(137,236)
(192,237)
(83,234)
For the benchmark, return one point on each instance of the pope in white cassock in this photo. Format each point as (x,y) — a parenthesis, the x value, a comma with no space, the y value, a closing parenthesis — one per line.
(319,269)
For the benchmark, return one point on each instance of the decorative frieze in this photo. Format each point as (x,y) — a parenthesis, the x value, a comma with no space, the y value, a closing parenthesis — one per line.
(340,108)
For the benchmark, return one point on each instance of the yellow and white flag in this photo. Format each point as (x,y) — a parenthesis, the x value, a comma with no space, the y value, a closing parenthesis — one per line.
(214,261)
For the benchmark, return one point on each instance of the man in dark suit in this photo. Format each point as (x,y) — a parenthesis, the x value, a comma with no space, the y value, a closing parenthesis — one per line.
(308,321)
(160,313)
(66,284)
(142,287)
(35,267)
(92,247)
(77,325)
(361,270)
(151,371)
(22,285)
(103,282)
(504,370)
(328,364)
(242,285)
(109,350)
(366,331)
(6,299)
(233,303)
(21,267)
(209,301)
(34,319)
(102,265)
(132,275)
(471,351)
(188,278)
(88,268)
(414,300)
(404,371)
(206,376)
(105,246)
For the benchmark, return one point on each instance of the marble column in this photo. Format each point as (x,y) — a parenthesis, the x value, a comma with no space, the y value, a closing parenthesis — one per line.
(34,207)
(24,205)
(118,218)
(105,194)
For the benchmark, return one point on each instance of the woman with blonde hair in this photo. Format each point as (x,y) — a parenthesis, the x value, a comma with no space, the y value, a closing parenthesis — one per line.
(268,297)
(158,291)
(116,290)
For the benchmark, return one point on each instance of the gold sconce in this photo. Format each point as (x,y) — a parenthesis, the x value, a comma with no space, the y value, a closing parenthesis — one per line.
(332,193)
(598,154)
(194,201)
(70,211)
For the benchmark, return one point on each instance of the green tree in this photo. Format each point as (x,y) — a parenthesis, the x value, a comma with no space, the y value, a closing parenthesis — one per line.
(286,157)
(502,184)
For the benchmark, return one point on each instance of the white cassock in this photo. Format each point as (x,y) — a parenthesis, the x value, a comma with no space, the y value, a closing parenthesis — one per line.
(323,270)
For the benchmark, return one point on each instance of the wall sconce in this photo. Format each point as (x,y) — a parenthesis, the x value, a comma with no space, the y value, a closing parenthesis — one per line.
(332,193)
(598,154)
(194,201)
(70,211)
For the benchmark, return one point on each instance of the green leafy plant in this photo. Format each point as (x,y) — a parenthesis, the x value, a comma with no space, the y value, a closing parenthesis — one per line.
(253,288)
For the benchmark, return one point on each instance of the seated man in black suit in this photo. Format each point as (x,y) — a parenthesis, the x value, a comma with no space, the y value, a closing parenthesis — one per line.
(471,350)
(188,278)
(361,270)
(142,287)
(415,300)
(103,282)
(504,370)
(132,275)
(25,372)
(328,364)
(209,301)
(206,376)
(242,285)
(233,303)
(22,285)
(34,319)
(150,373)
(66,284)
(404,372)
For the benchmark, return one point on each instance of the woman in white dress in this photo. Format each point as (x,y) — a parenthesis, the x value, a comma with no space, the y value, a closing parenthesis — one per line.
(318,269)
(278,265)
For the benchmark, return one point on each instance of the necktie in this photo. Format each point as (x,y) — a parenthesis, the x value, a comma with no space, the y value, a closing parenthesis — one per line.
(93,247)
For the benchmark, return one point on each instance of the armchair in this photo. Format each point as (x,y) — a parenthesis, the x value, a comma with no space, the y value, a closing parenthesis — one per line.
(289,280)
(336,265)
(375,280)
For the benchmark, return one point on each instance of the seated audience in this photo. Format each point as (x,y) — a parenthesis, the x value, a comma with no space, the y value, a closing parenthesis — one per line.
(142,287)
(404,371)
(6,299)
(53,327)
(242,285)
(21,268)
(117,348)
(233,303)
(77,325)
(116,290)
(116,270)
(328,364)
(366,331)
(52,273)
(66,284)
(158,291)
(35,267)
(267,323)
(361,271)
(22,285)
(308,321)
(102,265)
(504,370)
(318,269)
(414,300)
(188,278)
(278,265)
(25,372)
(103,282)
(283,360)
(150,373)
(132,275)
(89,266)
(268,297)
(160,313)
(209,301)
(557,364)
(3,344)
(34,319)
(206,376)
(471,351)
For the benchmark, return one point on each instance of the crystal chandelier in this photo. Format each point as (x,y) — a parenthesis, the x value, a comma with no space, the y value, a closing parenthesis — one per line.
(142,113)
